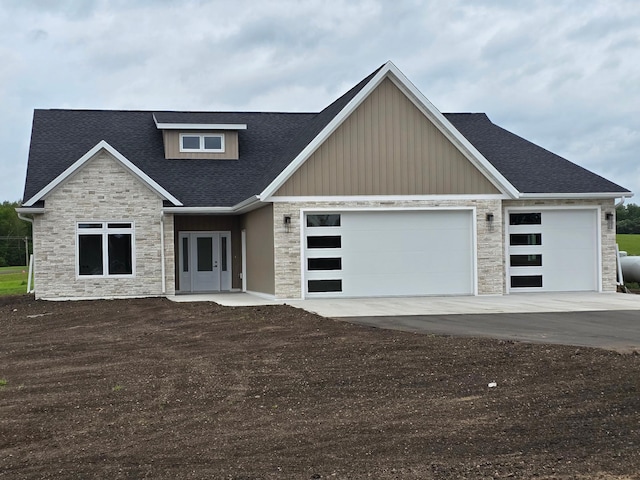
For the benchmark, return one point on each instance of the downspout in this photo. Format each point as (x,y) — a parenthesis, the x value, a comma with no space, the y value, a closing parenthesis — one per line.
(30,266)
(164,282)
(618,263)
(26,219)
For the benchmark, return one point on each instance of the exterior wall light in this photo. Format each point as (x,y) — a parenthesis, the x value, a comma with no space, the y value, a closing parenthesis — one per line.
(489,218)
(287,223)
(609,217)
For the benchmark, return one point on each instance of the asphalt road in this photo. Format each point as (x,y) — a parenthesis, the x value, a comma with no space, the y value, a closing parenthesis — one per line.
(616,330)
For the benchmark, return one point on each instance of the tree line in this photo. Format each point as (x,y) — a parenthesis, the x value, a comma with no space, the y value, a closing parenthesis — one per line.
(13,232)
(628,218)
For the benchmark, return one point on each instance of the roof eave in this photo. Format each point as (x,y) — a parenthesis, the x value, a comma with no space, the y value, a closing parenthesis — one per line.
(574,196)
(251,203)
(29,210)
(199,126)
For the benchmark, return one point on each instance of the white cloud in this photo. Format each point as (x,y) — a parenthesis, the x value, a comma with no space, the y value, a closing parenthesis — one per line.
(563,74)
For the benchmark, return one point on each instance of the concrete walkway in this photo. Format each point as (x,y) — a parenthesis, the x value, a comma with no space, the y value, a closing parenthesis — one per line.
(516,303)
(235,299)
(407,306)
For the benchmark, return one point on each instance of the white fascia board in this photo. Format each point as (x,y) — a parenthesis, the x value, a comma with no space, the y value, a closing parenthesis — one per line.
(575,196)
(247,205)
(199,126)
(391,71)
(199,210)
(324,134)
(386,198)
(452,133)
(102,145)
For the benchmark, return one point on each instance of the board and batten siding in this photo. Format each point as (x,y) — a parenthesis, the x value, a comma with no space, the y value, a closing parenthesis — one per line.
(259,226)
(172,146)
(387,147)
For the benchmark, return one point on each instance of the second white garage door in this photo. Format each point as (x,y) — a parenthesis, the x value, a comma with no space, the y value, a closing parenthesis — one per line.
(392,253)
(552,250)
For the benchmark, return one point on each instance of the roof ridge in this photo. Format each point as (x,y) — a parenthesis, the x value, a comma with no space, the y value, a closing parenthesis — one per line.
(117,110)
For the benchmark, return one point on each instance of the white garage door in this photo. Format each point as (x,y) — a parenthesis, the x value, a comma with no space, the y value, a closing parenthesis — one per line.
(364,254)
(552,250)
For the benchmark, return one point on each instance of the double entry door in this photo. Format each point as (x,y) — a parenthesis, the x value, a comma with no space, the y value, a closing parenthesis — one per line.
(205,261)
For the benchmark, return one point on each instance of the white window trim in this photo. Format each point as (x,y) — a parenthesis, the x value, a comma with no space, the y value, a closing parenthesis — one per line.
(104,231)
(202,136)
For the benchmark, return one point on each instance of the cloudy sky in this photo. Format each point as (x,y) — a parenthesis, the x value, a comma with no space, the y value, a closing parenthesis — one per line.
(563,74)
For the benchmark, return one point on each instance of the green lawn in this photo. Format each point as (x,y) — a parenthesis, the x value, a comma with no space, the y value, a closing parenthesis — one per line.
(629,243)
(13,281)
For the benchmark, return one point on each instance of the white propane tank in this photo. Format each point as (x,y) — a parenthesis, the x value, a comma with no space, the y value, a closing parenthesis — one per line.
(630,268)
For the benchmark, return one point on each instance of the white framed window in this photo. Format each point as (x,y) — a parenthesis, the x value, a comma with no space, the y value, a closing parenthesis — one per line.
(105,249)
(202,142)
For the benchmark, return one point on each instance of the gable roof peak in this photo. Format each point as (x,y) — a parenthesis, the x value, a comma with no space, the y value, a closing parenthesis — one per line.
(335,114)
(78,164)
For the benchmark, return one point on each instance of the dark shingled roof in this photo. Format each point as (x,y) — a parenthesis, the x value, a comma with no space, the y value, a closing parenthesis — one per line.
(528,167)
(60,137)
(270,142)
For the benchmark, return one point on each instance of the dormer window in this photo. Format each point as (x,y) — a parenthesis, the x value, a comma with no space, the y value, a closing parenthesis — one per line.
(202,142)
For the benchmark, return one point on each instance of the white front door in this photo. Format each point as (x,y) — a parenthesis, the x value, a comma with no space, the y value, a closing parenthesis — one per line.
(204,261)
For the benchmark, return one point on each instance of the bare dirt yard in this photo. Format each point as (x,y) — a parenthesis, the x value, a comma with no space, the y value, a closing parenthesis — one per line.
(153,389)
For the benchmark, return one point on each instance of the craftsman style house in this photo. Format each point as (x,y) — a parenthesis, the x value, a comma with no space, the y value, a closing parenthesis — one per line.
(379,194)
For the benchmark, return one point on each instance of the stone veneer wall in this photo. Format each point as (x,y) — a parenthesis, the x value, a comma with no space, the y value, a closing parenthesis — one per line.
(608,236)
(490,240)
(102,190)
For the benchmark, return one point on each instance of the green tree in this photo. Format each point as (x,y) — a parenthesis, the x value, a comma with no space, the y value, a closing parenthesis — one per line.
(628,218)
(12,234)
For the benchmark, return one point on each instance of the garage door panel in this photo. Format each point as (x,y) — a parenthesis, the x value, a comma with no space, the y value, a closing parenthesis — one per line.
(407,263)
(395,285)
(568,219)
(568,238)
(421,243)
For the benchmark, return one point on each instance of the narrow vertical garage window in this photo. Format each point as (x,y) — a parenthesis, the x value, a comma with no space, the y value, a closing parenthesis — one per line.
(105,249)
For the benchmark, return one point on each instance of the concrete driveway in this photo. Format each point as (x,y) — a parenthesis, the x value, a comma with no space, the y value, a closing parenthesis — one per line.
(606,320)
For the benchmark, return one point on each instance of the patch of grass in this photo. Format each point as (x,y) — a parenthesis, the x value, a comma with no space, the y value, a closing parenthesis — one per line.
(117,388)
(629,243)
(13,280)
(3,382)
